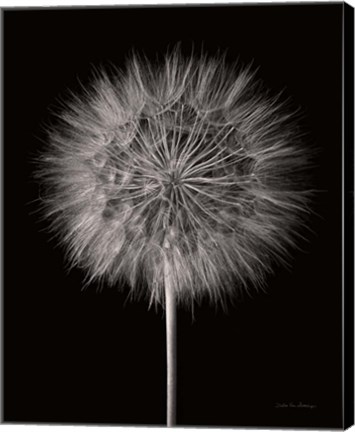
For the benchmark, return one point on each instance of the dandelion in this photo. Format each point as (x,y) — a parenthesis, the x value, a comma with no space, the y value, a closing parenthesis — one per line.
(185,174)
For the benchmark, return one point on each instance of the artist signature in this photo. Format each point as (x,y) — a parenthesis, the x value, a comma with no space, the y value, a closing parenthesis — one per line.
(295,405)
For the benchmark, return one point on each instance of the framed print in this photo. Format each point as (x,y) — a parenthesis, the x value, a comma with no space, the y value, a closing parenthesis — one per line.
(178,215)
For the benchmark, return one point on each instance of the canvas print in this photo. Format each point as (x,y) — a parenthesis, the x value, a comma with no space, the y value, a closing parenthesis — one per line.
(173,216)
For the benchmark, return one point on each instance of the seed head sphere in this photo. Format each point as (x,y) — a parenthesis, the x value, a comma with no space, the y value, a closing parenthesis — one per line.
(188,162)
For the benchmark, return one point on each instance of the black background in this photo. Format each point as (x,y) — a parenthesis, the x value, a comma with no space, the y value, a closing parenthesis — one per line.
(73,355)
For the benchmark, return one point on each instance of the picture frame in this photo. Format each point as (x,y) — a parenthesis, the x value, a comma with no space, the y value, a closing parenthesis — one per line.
(84,353)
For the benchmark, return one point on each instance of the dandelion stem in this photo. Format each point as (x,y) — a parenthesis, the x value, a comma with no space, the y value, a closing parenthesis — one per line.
(170,308)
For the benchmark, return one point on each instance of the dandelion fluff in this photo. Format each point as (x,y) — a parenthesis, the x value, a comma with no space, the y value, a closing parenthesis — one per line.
(188,165)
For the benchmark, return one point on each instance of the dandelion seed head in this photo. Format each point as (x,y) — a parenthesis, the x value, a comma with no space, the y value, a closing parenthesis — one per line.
(189,161)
